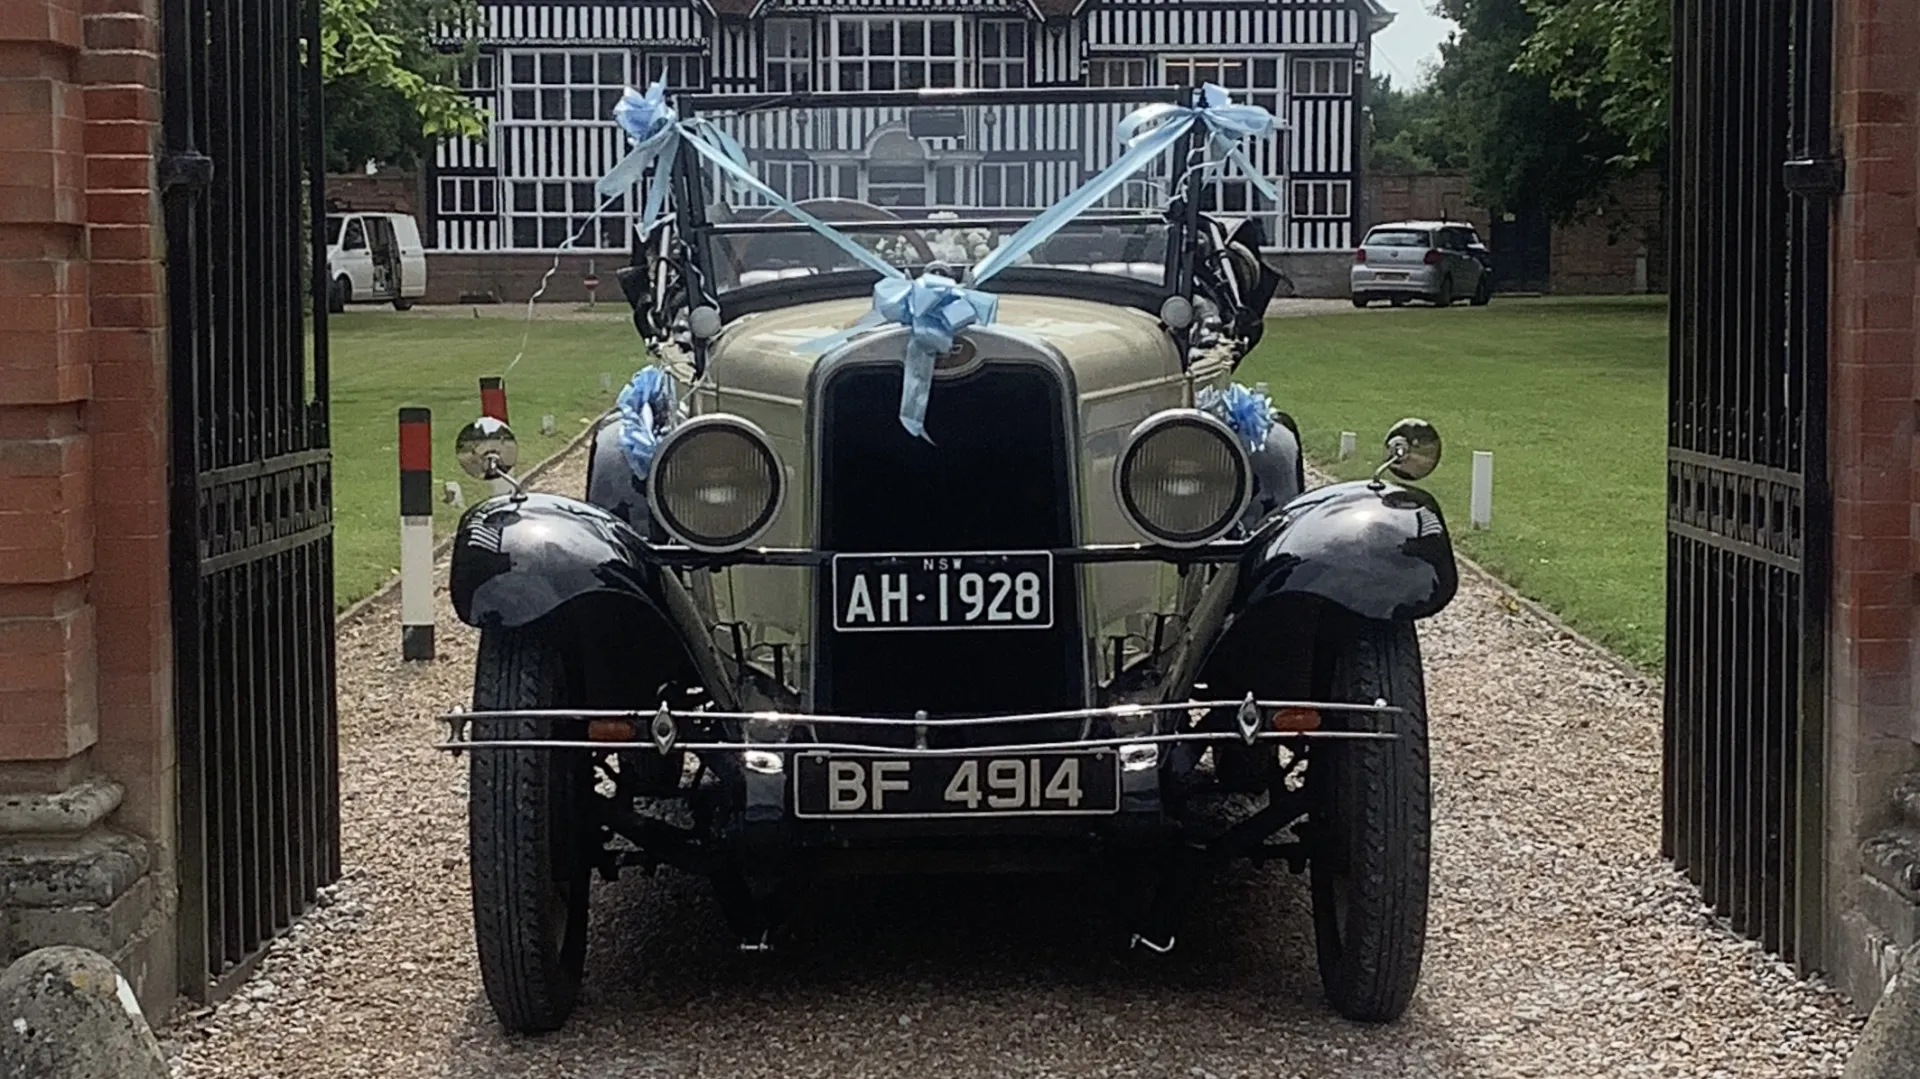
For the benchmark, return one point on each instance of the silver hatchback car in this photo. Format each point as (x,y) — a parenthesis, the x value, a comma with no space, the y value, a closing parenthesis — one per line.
(1435,261)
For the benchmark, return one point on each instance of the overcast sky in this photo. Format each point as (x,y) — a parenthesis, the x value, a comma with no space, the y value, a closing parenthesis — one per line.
(1405,49)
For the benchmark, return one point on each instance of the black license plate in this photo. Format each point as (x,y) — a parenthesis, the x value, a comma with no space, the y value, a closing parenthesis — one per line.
(994,590)
(842,785)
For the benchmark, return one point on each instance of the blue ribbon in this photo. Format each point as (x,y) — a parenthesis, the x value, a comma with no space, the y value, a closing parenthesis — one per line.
(933,308)
(1248,412)
(646,411)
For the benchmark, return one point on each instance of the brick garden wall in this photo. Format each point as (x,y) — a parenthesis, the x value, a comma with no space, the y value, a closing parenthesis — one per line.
(85,650)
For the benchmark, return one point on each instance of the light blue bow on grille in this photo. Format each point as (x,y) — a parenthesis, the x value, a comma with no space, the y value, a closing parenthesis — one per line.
(934,309)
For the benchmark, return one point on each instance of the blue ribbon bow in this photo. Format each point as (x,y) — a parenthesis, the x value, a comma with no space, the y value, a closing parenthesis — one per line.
(646,411)
(1248,412)
(934,309)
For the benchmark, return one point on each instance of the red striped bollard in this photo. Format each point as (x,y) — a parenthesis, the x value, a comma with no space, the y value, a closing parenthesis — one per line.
(493,405)
(416,533)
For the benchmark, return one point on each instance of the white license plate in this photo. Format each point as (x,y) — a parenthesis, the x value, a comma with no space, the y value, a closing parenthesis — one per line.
(978,590)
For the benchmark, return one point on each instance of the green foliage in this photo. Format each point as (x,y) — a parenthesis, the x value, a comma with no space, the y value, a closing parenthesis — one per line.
(1413,130)
(390,90)
(1614,58)
(1528,147)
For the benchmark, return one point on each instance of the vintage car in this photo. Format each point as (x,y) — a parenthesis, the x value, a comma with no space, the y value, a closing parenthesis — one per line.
(1087,616)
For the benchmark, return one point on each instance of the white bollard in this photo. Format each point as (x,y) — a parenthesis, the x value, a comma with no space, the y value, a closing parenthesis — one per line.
(1480,503)
(606,382)
(547,426)
(453,495)
(416,534)
(1348,442)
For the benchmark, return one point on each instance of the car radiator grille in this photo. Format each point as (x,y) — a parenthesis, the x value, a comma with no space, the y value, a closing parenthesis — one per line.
(996,478)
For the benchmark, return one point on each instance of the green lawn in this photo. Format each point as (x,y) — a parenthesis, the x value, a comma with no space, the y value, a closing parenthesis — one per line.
(1569,396)
(383,361)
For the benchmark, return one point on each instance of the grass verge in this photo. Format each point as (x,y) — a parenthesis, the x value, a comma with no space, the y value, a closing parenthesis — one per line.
(1570,396)
(383,361)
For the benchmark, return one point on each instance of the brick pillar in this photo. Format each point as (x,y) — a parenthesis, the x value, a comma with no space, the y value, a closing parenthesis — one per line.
(1875,472)
(86,783)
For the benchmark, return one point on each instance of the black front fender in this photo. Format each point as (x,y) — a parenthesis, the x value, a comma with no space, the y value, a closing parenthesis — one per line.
(1381,553)
(517,560)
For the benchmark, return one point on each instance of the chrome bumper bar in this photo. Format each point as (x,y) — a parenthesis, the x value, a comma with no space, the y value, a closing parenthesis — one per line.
(1253,723)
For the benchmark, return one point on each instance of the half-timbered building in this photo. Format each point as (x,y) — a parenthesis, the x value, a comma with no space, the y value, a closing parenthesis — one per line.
(549,71)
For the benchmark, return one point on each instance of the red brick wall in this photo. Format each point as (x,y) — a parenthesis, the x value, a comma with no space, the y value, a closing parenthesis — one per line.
(85,655)
(386,192)
(1875,461)
(1598,255)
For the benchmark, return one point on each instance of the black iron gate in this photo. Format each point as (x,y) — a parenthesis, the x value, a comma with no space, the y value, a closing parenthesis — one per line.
(1748,510)
(250,485)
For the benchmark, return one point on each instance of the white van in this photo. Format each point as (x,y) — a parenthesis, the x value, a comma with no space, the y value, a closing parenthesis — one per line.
(375,258)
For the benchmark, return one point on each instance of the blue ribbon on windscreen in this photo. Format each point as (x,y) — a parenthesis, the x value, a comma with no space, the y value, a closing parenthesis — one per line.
(933,308)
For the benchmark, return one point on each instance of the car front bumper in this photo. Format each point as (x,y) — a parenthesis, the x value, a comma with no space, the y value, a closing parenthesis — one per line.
(764,746)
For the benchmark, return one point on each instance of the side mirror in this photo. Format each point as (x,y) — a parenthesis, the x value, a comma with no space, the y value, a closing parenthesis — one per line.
(486,449)
(1413,450)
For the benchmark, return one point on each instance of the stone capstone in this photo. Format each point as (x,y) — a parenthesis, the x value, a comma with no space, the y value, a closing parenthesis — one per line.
(66,1013)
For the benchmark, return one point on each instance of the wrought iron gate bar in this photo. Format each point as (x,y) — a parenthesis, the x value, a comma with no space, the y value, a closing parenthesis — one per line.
(1747,508)
(251,500)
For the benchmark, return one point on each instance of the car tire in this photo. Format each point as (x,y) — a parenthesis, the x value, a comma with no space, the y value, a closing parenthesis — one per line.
(339,295)
(1371,828)
(1444,298)
(1361,301)
(403,305)
(529,861)
(1483,292)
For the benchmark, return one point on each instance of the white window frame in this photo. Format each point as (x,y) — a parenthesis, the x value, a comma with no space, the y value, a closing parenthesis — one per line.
(779,174)
(788,54)
(469,196)
(684,69)
(560,207)
(481,75)
(1003,65)
(1118,71)
(860,47)
(577,100)
(1320,200)
(1321,76)
(1002,173)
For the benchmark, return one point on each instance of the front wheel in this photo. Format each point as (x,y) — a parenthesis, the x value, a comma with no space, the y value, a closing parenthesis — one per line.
(528,839)
(402,305)
(339,294)
(1372,822)
(1360,301)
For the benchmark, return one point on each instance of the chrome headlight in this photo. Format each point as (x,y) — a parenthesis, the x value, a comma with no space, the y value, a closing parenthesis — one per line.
(716,483)
(1183,478)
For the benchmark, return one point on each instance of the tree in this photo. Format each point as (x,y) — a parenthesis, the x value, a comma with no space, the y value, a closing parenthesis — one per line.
(1412,130)
(391,91)
(1529,149)
(1613,58)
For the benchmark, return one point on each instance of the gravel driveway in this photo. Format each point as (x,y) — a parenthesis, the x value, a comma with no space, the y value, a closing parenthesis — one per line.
(1561,945)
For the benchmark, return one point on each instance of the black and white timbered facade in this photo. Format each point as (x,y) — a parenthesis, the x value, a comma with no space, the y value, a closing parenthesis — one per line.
(550,71)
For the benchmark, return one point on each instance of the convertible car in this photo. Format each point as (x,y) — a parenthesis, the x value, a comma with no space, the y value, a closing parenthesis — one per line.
(942,540)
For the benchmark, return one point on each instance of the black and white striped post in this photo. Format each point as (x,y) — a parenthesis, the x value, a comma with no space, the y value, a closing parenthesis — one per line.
(416,533)
(493,405)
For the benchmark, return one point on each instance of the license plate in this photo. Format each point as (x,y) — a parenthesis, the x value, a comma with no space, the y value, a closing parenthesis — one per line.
(840,785)
(1393,276)
(994,590)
